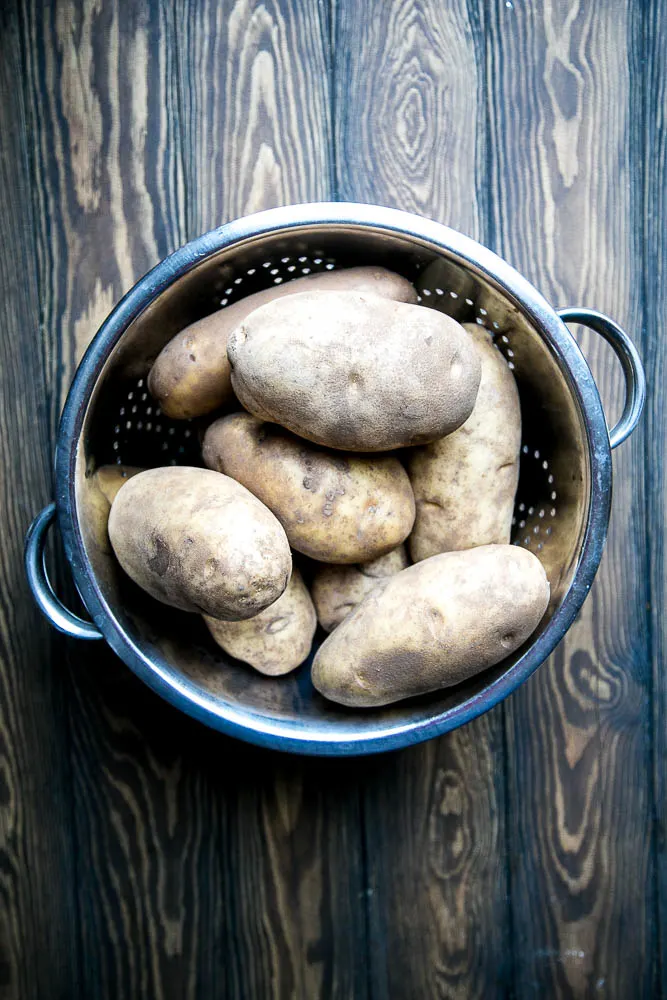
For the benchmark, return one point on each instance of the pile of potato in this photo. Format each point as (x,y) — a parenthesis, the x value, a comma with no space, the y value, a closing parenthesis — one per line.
(372,436)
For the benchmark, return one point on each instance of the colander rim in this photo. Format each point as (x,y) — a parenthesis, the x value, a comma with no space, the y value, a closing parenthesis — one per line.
(302,736)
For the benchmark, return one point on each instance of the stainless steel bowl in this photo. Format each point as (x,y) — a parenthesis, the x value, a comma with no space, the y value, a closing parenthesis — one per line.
(562,507)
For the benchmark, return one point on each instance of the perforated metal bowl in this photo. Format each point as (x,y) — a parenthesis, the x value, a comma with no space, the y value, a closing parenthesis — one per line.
(564,493)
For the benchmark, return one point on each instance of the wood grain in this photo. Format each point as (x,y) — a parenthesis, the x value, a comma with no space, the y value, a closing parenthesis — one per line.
(410,130)
(255,80)
(102,100)
(566,139)
(141,855)
(288,850)
(103,124)
(410,109)
(256,118)
(653,53)
(38,913)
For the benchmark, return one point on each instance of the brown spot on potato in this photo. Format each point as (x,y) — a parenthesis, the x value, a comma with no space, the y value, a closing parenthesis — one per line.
(159,559)
(210,568)
(277,625)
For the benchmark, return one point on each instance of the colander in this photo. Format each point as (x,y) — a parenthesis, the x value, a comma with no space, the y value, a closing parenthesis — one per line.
(562,507)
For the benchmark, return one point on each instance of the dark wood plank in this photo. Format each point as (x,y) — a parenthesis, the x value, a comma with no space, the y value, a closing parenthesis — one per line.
(410,130)
(199,878)
(653,50)
(565,108)
(205,868)
(102,99)
(286,832)
(102,96)
(256,118)
(38,914)
(410,109)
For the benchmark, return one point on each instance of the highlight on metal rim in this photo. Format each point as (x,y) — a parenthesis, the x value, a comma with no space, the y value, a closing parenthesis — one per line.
(626,352)
(45,597)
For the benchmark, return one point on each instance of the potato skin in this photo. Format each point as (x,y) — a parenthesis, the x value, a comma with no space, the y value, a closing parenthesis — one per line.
(278,639)
(465,483)
(95,496)
(191,375)
(433,625)
(337,590)
(200,541)
(110,478)
(334,507)
(355,372)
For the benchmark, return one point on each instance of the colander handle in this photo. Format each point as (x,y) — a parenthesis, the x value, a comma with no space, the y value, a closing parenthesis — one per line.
(40,585)
(626,352)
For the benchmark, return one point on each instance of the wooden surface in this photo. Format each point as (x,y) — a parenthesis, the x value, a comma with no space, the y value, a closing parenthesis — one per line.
(579,765)
(522,856)
(403,82)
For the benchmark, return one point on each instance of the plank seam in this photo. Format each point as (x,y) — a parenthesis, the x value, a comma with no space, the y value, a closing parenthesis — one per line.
(648,352)
(333,168)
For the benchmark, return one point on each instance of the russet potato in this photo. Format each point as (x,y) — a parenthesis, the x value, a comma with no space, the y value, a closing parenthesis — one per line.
(200,541)
(335,507)
(191,375)
(433,625)
(337,590)
(110,478)
(465,483)
(355,372)
(278,639)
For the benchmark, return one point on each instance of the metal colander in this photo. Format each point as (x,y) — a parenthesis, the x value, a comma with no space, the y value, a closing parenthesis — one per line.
(563,499)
